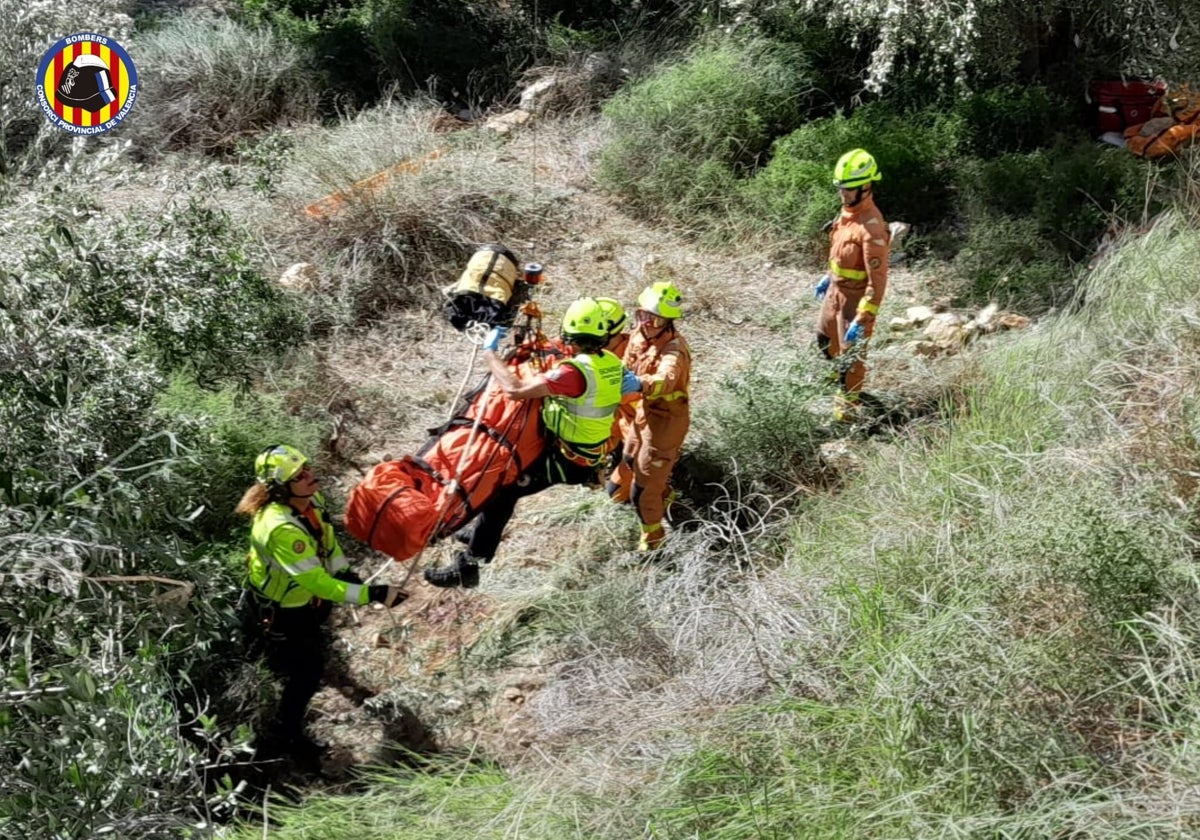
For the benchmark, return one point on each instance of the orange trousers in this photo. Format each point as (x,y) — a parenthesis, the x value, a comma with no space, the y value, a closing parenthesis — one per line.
(838,312)
(644,475)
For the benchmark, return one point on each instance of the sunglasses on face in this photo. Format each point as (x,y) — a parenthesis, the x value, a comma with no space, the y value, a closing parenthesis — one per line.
(644,317)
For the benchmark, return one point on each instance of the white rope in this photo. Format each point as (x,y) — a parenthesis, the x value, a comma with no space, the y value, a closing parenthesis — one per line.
(474,331)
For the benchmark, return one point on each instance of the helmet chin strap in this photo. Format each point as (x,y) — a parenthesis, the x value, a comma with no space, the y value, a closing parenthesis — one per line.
(858,196)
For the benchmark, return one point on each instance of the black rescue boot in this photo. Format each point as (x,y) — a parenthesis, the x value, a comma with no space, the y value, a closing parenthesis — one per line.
(464,573)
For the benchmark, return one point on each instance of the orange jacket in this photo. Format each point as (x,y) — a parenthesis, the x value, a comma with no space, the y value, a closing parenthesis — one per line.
(858,253)
(664,366)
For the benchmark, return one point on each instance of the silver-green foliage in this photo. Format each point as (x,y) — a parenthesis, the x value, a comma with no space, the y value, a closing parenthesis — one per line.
(975,37)
(209,82)
(103,670)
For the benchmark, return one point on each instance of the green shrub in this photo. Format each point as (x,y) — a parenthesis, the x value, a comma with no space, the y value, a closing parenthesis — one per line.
(1070,191)
(719,107)
(224,430)
(108,672)
(795,189)
(1007,259)
(1017,118)
(453,50)
(209,83)
(763,425)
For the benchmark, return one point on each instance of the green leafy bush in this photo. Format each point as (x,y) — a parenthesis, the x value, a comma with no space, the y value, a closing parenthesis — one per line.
(454,50)
(1070,191)
(1007,259)
(225,429)
(209,82)
(116,610)
(763,424)
(1015,119)
(795,189)
(718,108)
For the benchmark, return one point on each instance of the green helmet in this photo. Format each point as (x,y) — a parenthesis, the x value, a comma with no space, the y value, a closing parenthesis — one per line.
(855,169)
(663,299)
(614,314)
(278,464)
(585,319)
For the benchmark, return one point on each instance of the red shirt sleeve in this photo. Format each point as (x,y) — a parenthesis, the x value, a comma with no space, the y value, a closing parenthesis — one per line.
(565,381)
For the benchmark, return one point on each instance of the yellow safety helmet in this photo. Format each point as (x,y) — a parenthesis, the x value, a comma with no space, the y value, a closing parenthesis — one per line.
(663,299)
(585,319)
(614,313)
(856,168)
(278,464)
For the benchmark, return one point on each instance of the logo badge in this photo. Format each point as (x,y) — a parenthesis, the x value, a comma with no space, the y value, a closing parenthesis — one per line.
(86,83)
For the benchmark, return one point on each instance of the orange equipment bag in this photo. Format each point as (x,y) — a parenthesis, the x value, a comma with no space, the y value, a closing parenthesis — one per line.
(394,508)
(1174,125)
(401,506)
(487,458)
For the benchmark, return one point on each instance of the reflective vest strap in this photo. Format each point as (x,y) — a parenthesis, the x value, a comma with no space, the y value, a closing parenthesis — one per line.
(848,273)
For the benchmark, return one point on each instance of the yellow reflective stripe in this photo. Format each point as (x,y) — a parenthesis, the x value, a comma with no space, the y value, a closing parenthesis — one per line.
(865,305)
(848,273)
(653,394)
(302,566)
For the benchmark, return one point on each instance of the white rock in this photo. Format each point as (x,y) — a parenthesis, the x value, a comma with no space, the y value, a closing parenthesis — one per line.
(924,349)
(537,97)
(504,123)
(946,329)
(837,455)
(301,277)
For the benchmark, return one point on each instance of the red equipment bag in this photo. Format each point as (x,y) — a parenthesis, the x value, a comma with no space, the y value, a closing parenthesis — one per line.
(1120,104)
(394,508)
(485,458)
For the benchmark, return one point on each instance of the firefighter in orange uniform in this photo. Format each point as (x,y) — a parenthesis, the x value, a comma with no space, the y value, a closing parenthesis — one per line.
(658,355)
(853,289)
(618,340)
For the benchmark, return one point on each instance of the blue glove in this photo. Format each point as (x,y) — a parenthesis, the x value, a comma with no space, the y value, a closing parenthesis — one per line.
(822,287)
(492,342)
(854,333)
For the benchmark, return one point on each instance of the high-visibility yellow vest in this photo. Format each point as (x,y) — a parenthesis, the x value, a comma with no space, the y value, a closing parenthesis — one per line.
(291,567)
(587,420)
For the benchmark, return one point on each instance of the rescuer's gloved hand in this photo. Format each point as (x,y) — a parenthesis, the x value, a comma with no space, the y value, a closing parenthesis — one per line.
(389,596)
(822,287)
(855,332)
(492,342)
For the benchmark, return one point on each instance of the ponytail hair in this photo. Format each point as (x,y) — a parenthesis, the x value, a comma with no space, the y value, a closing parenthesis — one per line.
(253,500)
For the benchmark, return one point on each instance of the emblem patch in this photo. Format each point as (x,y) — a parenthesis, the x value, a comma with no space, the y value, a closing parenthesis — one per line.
(86,83)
